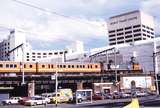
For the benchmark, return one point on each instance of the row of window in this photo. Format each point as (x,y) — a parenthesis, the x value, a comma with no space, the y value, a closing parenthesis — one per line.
(55,53)
(130,27)
(69,66)
(8,66)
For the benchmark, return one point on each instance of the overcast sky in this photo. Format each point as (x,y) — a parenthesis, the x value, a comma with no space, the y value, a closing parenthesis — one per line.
(85,21)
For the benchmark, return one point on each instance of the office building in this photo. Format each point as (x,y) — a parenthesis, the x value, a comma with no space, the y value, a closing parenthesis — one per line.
(130,27)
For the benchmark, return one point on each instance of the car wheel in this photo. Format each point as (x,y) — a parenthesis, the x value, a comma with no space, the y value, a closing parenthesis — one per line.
(80,100)
(45,103)
(9,103)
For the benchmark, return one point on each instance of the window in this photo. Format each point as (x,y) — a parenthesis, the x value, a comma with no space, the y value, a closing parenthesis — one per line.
(44,53)
(7,65)
(33,53)
(138,34)
(144,34)
(111,31)
(24,65)
(11,65)
(64,66)
(27,56)
(126,28)
(137,39)
(119,34)
(27,53)
(50,54)
(33,59)
(72,66)
(27,59)
(120,38)
(112,43)
(152,33)
(96,66)
(112,35)
(77,66)
(128,32)
(55,53)
(143,30)
(83,66)
(39,57)
(112,39)
(69,66)
(136,26)
(144,26)
(120,42)
(148,31)
(128,40)
(43,66)
(137,30)
(30,66)
(1,65)
(128,36)
(121,29)
(38,53)
(48,65)
(15,66)
(60,52)
(80,66)
(60,66)
(52,66)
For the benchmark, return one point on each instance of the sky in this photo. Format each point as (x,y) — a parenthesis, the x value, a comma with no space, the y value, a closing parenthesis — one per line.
(65,21)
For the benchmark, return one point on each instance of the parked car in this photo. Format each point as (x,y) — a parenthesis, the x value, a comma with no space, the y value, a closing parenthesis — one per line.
(140,94)
(12,100)
(23,100)
(97,97)
(36,101)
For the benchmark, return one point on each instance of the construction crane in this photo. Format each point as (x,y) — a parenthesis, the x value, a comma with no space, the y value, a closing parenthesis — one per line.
(21,63)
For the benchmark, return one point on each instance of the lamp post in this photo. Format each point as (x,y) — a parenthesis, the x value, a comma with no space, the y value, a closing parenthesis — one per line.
(22,64)
(115,63)
(155,66)
(56,85)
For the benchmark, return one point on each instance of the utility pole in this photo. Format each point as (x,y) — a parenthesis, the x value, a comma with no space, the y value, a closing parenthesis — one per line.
(56,84)
(115,63)
(155,66)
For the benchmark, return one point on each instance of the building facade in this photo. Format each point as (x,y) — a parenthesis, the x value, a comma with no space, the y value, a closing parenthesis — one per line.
(142,51)
(130,27)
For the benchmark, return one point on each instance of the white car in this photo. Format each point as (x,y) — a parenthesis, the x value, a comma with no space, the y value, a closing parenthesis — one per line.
(36,101)
(12,100)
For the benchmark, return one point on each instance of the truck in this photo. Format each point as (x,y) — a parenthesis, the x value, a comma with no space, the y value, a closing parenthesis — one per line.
(63,95)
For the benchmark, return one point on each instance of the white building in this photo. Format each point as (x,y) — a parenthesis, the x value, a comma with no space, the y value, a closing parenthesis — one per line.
(130,27)
(141,50)
(17,41)
(14,39)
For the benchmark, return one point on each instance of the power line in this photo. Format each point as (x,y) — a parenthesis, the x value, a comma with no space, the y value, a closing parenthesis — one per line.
(55,13)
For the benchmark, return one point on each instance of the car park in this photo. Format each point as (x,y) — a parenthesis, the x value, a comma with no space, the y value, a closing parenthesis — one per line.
(12,100)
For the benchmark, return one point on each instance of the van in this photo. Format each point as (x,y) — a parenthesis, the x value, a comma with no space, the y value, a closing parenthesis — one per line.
(63,95)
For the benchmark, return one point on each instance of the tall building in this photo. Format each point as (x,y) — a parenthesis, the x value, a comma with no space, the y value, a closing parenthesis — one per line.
(130,27)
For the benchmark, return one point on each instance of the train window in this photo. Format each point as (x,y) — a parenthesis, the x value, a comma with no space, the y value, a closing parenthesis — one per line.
(30,66)
(83,66)
(57,66)
(1,65)
(72,66)
(7,65)
(49,66)
(24,65)
(69,66)
(52,65)
(60,66)
(96,66)
(77,66)
(90,66)
(11,65)
(64,66)
(15,66)
(43,66)
(80,66)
